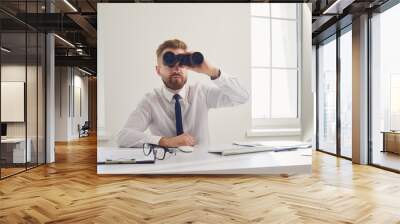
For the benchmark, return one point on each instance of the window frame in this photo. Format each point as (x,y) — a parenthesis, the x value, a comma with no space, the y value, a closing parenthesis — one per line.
(279,123)
(370,73)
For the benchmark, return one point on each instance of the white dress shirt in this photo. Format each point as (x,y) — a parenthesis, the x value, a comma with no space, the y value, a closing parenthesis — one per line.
(156,111)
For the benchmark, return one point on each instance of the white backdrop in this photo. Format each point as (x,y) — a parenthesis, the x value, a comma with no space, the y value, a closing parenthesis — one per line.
(129,34)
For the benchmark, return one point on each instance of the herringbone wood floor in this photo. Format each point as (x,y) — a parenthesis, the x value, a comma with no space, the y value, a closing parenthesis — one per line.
(70,191)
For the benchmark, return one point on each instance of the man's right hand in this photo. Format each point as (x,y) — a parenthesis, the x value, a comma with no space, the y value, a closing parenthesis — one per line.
(180,140)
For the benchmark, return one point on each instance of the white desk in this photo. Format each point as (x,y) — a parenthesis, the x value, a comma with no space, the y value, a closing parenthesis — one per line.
(18,150)
(202,162)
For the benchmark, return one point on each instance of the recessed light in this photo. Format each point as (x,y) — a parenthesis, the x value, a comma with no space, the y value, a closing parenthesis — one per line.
(70,5)
(84,71)
(64,40)
(5,50)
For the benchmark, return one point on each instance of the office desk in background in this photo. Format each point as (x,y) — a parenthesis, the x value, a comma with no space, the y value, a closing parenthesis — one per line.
(202,162)
(13,150)
(391,141)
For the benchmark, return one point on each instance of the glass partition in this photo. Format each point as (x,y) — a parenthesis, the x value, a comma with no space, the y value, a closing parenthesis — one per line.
(22,77)
(14,153)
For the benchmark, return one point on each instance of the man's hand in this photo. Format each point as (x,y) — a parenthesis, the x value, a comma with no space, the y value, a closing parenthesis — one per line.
(180,140)
(205,68)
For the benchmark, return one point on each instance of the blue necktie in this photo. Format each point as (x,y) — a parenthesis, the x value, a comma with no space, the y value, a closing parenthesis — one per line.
(178,115)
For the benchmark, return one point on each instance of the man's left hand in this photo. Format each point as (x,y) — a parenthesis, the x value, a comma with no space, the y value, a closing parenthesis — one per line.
(205,68)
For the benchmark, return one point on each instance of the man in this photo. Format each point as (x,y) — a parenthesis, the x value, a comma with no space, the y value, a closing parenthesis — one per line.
(176,113)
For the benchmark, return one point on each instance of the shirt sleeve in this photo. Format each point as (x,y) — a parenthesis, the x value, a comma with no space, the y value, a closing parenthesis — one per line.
(226,92)
(133,132)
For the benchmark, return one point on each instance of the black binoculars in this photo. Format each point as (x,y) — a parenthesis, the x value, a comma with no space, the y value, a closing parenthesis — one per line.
(189,59)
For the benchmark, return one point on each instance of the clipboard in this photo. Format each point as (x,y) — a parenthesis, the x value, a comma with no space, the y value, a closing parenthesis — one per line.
(125,156)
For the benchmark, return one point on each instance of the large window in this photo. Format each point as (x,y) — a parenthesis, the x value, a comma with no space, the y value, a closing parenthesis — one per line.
(327,95)
(346,93)
(275,66)
(385,89)
(335,94)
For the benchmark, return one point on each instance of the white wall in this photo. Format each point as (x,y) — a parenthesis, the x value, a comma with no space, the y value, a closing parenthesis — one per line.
(126,58)
(307,80)
(33,126)
(80,83)
(66,121)
(15,72)
(314,90)
(61,103)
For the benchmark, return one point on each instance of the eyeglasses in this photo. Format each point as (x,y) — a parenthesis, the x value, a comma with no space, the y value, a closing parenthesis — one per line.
(158,151)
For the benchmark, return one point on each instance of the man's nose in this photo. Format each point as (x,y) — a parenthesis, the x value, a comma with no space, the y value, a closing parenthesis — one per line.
(177,67)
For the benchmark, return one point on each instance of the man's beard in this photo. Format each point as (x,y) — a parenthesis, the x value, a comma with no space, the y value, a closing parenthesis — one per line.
(175,81)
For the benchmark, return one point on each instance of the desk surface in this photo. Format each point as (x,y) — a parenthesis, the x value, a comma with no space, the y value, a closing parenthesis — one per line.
(202,162)
(13,140)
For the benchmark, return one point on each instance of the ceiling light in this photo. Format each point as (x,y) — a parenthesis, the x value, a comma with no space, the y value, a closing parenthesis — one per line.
(64,40)
(84,71)
(70,5)
(338,6)
(5,50)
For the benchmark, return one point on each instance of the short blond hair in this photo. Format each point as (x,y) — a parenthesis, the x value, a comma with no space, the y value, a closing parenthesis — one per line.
(174,44)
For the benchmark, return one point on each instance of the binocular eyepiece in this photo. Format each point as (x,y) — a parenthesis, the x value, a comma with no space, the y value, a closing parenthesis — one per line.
(190,59)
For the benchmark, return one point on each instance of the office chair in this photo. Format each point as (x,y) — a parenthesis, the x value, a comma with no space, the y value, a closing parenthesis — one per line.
(84,130)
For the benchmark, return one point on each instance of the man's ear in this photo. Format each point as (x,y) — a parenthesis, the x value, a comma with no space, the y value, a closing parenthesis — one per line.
(158,70)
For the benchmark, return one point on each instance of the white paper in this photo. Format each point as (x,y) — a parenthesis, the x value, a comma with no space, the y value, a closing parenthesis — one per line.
(123,154)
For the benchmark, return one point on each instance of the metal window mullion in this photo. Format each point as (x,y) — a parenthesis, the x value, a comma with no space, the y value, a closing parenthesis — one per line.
(37,92)
(299,52)
(0,95)
(61,74)
(73,91)
(26,87)
(69,91)
(270,61)
(317,96)
(369,90)
(45,91)
(338,97)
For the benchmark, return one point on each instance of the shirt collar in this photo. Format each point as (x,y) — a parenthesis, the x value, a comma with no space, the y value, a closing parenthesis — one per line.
(169,93)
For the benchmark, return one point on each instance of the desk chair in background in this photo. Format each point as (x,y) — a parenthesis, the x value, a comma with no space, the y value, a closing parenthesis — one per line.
(84,130)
